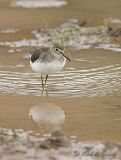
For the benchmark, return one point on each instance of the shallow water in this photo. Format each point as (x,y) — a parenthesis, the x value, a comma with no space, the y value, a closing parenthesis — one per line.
(85,94)
(91,73)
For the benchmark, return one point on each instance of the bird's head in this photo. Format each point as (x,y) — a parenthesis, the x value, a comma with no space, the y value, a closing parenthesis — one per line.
(59,49)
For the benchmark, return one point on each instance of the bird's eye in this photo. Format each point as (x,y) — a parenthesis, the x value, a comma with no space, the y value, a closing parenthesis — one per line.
(57,49)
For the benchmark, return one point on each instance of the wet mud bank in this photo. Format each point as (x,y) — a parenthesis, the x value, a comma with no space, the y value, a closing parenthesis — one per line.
(75,35)
(18,145)
(72,34)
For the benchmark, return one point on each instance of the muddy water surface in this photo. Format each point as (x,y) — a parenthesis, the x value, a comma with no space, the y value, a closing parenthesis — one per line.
(82,100)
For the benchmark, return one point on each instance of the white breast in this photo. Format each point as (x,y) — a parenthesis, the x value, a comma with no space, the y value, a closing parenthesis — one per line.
(47,68)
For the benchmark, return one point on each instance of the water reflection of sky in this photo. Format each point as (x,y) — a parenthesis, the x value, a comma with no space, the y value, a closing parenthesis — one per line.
(38,3)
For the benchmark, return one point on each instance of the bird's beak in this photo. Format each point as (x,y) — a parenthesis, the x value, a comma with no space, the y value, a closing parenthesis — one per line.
(65,55)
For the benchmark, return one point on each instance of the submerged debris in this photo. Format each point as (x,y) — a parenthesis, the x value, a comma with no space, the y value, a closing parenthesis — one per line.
(55,140)
(55,146)
(116,32)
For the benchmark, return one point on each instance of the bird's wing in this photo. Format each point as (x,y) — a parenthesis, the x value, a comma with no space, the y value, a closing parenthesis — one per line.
(34,57)
(38,53)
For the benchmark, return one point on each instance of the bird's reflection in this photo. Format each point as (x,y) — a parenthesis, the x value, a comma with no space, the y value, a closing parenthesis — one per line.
(48,116)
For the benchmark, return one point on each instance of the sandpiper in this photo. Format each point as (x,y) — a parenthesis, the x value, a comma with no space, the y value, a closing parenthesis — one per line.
(48,60)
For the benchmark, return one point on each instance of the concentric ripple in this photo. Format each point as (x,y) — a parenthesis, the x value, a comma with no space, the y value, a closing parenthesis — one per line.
(71,82)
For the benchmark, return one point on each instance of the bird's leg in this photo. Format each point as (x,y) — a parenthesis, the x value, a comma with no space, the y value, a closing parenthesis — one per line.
(46,79)
(42,82)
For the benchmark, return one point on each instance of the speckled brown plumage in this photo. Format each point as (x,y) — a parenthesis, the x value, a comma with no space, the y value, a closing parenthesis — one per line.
(46,54)
(40,53)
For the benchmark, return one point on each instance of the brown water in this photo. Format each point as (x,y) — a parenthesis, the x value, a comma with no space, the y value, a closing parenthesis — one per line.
(83,99)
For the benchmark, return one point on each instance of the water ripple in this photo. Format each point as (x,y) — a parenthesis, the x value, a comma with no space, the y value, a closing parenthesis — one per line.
(71,83)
